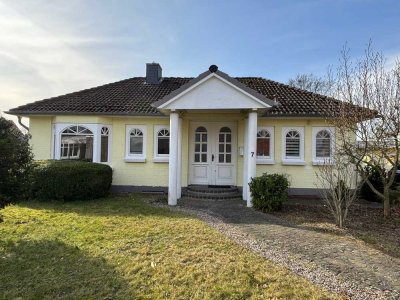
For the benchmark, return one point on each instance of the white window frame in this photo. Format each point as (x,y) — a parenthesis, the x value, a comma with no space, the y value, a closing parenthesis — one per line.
(130,157)
(160,158)
(109,143)
(299,161)
(267,160)
(324,160)
(60,127)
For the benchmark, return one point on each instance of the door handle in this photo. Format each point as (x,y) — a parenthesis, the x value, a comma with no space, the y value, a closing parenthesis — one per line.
(212,157)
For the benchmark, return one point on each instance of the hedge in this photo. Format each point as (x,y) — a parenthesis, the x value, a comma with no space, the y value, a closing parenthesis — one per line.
(70,180)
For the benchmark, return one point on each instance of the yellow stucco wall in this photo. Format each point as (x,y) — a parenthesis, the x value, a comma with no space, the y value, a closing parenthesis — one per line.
(40,129)
(152,173)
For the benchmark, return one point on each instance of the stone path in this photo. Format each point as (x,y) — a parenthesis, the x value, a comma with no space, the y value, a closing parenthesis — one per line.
(338,263)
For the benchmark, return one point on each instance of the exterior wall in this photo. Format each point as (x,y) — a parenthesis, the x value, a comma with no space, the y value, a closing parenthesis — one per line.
(40,129)
(151,173)
(302,176)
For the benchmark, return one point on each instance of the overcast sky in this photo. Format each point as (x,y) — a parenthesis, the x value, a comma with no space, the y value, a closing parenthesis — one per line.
(48,48)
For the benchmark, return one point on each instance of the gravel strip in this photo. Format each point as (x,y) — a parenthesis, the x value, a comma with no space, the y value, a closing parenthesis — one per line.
(317,275)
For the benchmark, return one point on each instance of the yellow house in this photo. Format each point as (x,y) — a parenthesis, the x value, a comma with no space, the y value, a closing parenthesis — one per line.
(173,133)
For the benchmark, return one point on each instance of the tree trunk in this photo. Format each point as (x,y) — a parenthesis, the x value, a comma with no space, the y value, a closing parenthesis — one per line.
(386,204)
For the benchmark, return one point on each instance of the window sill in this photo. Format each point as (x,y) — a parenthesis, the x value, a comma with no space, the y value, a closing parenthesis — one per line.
(262,161)
(135,159)
(160,159)
(323,162)
(293,162)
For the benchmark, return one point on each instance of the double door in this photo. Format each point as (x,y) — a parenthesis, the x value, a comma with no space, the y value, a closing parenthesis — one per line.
(212,153)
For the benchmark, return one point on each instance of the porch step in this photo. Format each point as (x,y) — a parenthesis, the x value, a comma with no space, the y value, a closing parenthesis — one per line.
(212,192)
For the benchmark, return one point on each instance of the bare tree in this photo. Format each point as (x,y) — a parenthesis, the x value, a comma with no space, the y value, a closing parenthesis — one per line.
(369,115)
(313,83)
(337,180)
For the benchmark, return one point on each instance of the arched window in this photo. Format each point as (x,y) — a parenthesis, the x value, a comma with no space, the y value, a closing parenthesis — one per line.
(136,141)
(225,145)
(323,144)
(200,145)
(77,143)
(163,142)
(292,144)
(105,133)
(263,144)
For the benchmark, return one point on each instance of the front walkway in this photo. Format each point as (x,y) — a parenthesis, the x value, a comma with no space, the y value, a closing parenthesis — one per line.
(338,263)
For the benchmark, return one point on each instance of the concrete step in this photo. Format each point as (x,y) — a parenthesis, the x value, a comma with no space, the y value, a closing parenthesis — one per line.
(212,193)
(212,189)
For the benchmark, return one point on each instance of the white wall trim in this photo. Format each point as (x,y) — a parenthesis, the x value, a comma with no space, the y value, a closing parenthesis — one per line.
(293,160)
(130,157)
(323,160)
(268,160)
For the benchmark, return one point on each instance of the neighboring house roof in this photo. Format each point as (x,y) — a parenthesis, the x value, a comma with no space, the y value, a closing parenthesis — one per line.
(136,97)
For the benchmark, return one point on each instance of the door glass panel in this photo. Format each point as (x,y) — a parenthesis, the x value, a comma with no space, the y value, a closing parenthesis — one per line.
(225,145)
(200,145)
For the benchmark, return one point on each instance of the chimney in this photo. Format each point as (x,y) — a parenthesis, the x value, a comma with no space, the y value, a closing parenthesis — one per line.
(153,73)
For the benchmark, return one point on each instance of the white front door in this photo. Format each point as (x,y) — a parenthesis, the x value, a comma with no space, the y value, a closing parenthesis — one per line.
(212,153)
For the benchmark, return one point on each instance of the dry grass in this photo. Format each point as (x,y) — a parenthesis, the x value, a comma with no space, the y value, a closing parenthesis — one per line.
(122,248)
(363,223)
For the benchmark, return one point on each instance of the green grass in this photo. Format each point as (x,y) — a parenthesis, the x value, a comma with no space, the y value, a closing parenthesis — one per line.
(122,248)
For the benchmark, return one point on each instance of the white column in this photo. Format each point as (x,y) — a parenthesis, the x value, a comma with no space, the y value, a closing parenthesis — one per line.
(251,150)
(179,167)
(173,157)
(245,179)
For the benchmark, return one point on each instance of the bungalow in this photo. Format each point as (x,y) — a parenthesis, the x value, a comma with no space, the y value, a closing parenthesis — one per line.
(173,132)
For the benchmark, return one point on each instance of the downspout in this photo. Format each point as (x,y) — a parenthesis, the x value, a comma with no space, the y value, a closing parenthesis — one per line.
(23,125)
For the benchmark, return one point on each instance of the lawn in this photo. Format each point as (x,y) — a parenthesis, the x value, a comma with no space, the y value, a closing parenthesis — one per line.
(122,248)
(363,223)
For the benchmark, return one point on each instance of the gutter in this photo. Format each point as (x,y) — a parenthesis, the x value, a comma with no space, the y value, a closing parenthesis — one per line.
(23,125)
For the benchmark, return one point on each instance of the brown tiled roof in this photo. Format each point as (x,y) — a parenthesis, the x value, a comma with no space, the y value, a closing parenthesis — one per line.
(134,97)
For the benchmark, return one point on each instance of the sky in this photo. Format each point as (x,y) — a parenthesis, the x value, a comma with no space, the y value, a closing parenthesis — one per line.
(49,48)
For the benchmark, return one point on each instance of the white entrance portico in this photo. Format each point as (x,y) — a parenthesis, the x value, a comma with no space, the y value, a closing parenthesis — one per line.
(212,145)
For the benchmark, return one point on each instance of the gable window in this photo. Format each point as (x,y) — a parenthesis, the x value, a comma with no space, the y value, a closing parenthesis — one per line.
(161,143)
(104,143)
(265,145)
(135,143)
(77,143)
(323,145)
(293,145)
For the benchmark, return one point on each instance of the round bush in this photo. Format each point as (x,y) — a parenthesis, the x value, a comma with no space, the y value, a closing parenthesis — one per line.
(70,180)
(269,191)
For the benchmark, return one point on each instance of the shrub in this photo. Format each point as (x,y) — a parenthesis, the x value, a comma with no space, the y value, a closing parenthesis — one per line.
(15,161)
(375,178)
(70,180)
(269,191)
